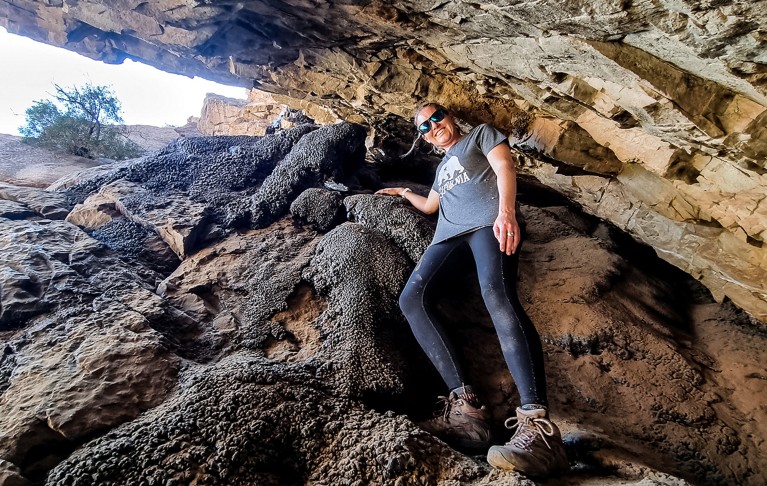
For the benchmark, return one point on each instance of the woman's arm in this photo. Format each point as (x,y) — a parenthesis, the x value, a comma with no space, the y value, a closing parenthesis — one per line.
(428,205)
(505,228)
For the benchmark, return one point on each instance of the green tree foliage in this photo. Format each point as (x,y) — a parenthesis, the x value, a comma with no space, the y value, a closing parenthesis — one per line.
(84,121)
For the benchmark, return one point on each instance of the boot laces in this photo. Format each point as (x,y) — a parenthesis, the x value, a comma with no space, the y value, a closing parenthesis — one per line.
(527,430)
(447,404)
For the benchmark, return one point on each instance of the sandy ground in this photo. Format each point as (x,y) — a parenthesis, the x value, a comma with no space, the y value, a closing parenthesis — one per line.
(24,165)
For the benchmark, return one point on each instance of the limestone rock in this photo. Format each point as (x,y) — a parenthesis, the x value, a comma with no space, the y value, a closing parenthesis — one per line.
(181,225)
(79,357)
(184,226)
(331,153)
(361,274)
(257,422)
(242,280)
(14,210)
(10,475)
(209,171)
(38,272)
(85,383)
(650,115)
(227,116)
(295,353)
(133,240)
(26,165)
(93,173)
(100,208)
(661,215)
(260,114)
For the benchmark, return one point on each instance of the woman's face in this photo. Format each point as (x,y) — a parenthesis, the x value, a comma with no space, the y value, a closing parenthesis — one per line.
(443,134)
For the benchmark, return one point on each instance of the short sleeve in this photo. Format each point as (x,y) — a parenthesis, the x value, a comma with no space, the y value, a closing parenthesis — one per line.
(489,137)
(435,184)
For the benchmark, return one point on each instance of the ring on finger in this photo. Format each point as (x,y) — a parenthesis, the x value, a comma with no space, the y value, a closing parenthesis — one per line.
(509,233)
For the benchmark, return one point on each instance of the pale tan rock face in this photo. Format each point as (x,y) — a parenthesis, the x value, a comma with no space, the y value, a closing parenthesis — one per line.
(227,116)
(87,382)
(93,360)
(258,114)
(678,90)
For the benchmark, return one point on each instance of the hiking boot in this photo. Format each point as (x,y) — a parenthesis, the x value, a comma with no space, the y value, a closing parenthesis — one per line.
(535,449)
(463,422)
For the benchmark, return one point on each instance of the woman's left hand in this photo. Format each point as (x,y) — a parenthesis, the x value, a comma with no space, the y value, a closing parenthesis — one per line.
(391,191)
(506,230)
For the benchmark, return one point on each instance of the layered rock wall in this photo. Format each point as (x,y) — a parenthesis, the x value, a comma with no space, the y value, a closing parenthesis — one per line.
(227,116)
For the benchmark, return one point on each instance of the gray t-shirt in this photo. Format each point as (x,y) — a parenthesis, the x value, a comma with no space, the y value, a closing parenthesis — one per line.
(467,185)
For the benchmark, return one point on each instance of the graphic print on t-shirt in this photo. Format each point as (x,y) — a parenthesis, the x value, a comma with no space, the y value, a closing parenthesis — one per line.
(451,174)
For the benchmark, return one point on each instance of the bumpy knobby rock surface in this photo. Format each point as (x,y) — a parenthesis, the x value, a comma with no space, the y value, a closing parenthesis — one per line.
(395,219)
(319,207)
(249,420)
(361,274)
(134,240)
(331,153)
(234,181)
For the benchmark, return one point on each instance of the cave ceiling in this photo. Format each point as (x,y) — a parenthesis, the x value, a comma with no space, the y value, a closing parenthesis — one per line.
(654,108)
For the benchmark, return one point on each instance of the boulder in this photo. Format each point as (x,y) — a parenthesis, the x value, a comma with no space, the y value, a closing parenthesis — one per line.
(318,207)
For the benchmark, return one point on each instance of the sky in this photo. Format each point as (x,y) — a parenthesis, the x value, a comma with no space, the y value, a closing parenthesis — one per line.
(29,69)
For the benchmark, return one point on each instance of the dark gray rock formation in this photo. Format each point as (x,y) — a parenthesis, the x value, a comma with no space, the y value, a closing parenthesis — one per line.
(331,153)
(133,241)
(249,420)
(394,218)
(361,274)
(237,182)
(319,207)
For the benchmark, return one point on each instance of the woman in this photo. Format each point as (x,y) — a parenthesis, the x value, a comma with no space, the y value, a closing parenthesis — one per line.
(475,193)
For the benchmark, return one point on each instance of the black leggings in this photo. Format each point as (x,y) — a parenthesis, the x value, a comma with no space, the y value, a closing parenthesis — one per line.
(497,272)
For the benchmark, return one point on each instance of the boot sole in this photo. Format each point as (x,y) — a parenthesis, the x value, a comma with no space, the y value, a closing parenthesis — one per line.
(498,460)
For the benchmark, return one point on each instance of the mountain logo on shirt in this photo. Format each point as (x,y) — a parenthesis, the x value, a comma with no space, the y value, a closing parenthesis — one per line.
(451,174)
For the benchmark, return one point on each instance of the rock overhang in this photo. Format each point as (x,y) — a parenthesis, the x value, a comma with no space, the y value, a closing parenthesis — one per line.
(662,109)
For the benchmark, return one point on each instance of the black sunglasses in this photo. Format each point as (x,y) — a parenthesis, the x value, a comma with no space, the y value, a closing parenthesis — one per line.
(436,117)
